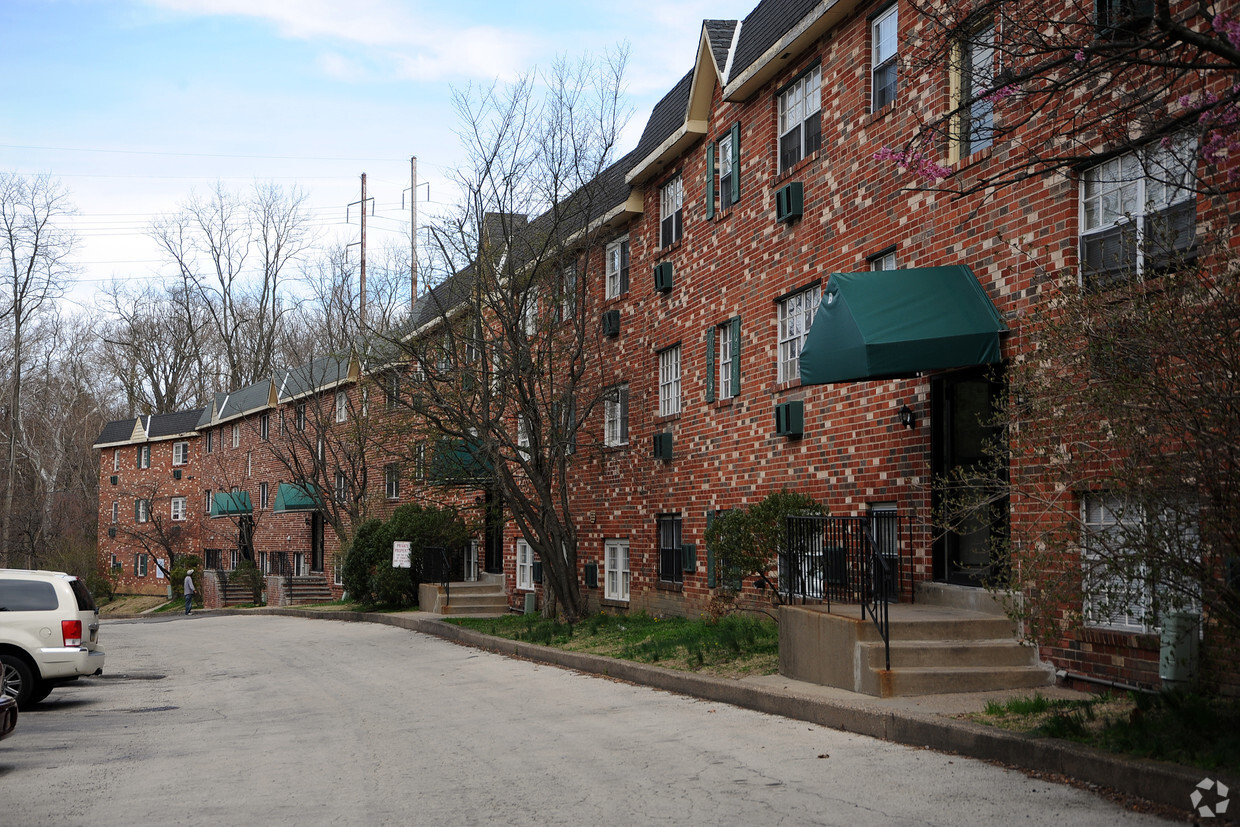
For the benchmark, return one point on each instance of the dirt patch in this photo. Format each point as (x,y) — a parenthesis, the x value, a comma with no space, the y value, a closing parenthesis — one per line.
(131,604)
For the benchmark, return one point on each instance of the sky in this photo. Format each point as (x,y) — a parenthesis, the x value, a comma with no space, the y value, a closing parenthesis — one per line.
(134,105)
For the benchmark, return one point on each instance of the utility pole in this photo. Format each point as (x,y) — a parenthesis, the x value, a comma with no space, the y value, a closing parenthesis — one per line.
(413,231)
(361,314)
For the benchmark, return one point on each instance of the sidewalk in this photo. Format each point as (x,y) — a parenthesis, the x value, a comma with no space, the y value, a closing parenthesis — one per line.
(926,721)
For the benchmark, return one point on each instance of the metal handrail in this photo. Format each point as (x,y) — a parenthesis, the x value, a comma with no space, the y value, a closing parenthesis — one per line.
(875,593)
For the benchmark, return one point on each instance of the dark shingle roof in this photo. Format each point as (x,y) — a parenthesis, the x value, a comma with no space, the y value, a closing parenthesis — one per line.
(119,430)
(763,27)
(322,372)
(181,422)
(719,32)
(249,398)
(667,116)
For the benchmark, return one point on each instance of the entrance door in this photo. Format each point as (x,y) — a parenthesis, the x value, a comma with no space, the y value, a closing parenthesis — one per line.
(970,500)
(316,543)
(494,530)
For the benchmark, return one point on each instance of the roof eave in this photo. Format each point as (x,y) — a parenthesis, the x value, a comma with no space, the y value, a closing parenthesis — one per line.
(667,152)
(824,17)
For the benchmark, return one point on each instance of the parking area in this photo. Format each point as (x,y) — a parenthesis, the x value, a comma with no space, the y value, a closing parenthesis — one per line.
(225,719)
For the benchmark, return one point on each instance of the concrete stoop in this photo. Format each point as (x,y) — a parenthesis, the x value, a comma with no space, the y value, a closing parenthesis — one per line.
(312,589)
(937,647)
(483,597)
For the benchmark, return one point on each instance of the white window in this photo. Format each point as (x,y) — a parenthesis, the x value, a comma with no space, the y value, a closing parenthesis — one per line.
(116,511)
(249,464)
(885,51)
(618,267)
(727,164)
(419,461)
(319,450)
(299,417)
(139,565)
(116,459)
(523,433)
(796,314)
(365,402)
(264,427)
(337,573)
(180,453)
(263,495)
(1110,599)
(616,416)
(529,313)
(669,381)
(391,481)
(342,406)
(178,509)
(141,511)
(1118,543)
(800,126)
(234,559)
(977,75)
(616,575)
(144,456)
(1139,210)
(671,212)
(525,566)
(726,354)
(885,261)
(206,502)
(210,442)
(236,435)
(342,486)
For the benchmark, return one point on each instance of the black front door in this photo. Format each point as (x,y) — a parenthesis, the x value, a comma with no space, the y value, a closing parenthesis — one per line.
(494,531)
(316,542)
(968,503)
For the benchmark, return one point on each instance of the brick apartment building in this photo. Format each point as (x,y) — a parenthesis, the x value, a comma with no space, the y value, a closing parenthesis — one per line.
(754,239)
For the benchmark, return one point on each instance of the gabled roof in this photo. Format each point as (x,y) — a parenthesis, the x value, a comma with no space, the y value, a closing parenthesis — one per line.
(665,126)
(116,432)
(317,375)
(719,35)
(774,33)
(174,424)
(210,412)
(246,400)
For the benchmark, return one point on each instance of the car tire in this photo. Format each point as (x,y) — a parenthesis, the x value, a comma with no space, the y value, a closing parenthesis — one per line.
(20,679)
(41,690)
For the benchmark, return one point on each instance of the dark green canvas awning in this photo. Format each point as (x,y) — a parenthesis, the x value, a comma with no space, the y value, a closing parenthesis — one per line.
(296,497)
(891,323)
(225,504)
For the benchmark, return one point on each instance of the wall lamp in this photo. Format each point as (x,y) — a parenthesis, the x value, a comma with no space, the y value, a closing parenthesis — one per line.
(907,418)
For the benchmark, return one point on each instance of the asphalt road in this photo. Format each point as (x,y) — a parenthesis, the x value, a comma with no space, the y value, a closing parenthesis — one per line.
(274,720)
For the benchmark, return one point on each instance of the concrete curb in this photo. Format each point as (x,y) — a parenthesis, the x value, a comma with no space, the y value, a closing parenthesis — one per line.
(1166,784)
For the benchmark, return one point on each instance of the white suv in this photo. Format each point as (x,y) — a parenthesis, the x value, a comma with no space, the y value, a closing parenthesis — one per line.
(49,632)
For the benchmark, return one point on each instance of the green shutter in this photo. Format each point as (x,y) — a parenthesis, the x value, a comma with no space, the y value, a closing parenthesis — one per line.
(710,364)
(736,356)
(710,180)
(710,552)
(736,162)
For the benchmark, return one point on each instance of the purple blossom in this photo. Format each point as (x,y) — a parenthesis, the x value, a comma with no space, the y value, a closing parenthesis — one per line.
(1079,57)
(1227,27)
(915,162)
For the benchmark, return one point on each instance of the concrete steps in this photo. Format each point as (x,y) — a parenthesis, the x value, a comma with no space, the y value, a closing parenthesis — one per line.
(313,589)
(481,598)
(954,639)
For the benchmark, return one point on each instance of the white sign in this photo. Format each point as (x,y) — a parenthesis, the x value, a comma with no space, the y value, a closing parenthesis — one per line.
(401,554)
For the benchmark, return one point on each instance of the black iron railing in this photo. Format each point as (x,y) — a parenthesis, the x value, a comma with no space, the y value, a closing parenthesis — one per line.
(436,567)
(858,560)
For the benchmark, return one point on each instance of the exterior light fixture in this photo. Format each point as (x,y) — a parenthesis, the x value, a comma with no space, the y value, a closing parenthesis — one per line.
(907,418)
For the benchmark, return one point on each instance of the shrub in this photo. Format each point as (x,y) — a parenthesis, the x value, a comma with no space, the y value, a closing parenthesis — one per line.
(368,573)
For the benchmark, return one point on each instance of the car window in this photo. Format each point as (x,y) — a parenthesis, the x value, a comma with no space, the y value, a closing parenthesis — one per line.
(86,603)
(27,596)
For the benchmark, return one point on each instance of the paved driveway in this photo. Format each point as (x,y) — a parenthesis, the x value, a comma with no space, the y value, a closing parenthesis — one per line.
(276,720)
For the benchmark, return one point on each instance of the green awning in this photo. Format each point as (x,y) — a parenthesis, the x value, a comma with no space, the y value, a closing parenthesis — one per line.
(296,497)
(225,504)
(892,323)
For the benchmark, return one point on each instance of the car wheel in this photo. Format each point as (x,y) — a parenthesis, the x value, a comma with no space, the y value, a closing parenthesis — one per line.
(41,690)
(19,679)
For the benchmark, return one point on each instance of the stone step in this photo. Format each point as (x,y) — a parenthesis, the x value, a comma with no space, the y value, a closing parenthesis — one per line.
(950,653)
(941,626)
(928,680)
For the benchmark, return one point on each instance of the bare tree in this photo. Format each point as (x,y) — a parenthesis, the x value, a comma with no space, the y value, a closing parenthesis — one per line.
(1057,87)
(506,348)
(36,246)
(231,254)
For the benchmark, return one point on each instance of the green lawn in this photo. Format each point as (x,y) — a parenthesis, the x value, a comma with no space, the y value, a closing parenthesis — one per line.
(735,646)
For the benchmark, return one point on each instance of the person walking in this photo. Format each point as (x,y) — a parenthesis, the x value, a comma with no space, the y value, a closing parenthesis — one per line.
(189,590)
